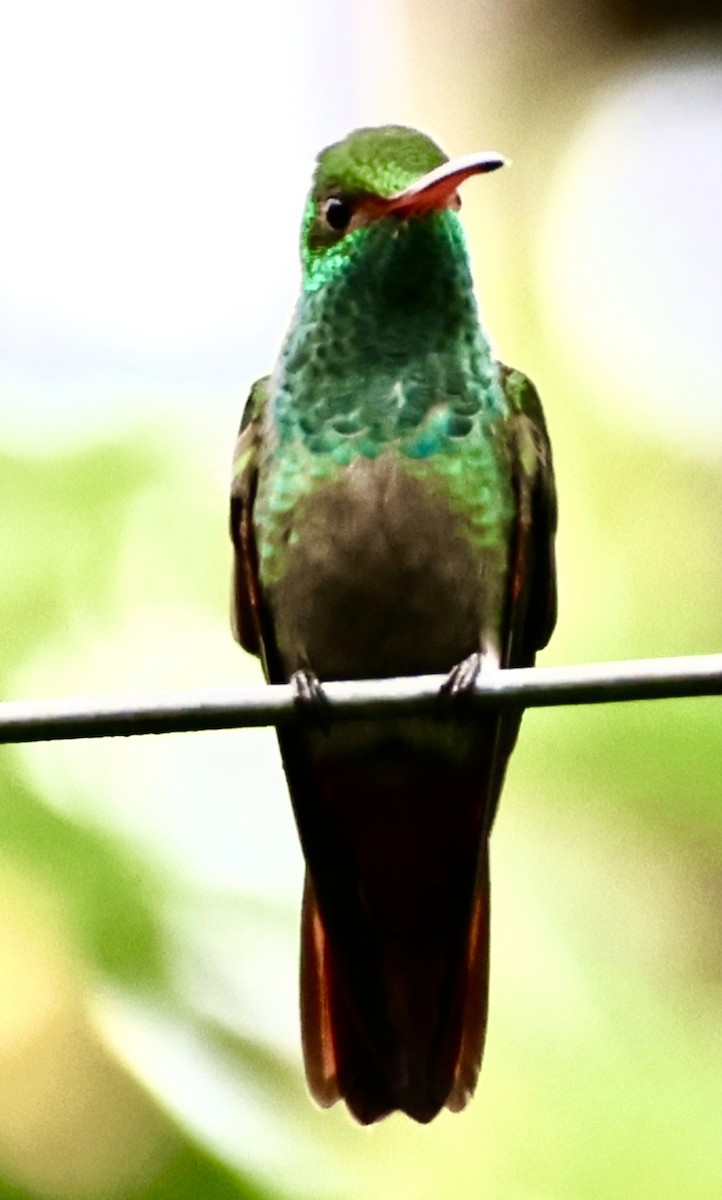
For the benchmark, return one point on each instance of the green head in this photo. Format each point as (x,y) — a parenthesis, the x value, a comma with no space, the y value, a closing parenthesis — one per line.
(387,322)
(386,174)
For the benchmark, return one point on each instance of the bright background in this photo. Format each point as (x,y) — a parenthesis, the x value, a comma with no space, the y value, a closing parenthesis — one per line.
(155,158)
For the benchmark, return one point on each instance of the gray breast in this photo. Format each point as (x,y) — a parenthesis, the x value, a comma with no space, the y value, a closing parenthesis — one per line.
(380,579)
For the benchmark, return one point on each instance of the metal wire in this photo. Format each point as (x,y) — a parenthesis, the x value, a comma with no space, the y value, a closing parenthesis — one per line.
(233,708)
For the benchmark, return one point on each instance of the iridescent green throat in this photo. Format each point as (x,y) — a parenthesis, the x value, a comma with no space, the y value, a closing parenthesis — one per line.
(386,346)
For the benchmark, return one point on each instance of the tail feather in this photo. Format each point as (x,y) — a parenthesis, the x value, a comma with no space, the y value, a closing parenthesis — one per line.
(394,1004)
(473,1027)
(319,1049)
(338,1064)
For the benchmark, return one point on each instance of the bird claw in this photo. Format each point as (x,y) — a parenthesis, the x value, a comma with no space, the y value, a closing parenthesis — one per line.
(461,680)
(310,699)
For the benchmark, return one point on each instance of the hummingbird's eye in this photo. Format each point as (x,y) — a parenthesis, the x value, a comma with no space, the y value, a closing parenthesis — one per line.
(337,213)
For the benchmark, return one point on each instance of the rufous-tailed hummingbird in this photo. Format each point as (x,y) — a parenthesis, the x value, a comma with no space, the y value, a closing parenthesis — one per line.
(393,513)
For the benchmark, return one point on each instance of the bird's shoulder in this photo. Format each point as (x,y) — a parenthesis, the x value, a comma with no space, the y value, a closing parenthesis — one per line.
(248,441)
(527,428)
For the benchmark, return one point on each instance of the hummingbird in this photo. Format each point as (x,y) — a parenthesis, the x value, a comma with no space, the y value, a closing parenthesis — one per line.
(393,513)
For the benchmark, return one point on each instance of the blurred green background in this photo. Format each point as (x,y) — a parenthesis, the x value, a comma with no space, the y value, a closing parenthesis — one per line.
(155,160)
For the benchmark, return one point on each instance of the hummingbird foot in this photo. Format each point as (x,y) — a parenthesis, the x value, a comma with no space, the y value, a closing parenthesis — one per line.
(310,699)
(461,680)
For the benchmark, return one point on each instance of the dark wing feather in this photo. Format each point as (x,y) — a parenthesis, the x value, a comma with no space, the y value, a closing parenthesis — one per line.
(532,594)
(249,616)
